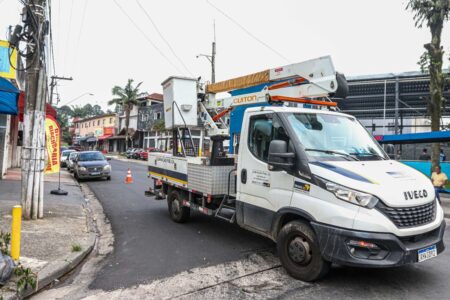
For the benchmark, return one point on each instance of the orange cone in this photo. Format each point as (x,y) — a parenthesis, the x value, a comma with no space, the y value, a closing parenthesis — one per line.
(129,178)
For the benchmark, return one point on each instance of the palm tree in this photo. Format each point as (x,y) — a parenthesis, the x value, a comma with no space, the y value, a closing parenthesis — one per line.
(126,98)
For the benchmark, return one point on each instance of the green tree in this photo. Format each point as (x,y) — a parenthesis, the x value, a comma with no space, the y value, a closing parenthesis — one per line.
(433,13)
(126,97)
(97,110)
(78,111)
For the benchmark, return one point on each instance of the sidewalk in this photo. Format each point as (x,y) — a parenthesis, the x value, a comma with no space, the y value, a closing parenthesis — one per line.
(46,245)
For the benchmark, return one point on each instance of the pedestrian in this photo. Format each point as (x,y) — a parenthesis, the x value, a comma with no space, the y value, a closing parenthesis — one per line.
(424,155)
(442,156)
(439,180)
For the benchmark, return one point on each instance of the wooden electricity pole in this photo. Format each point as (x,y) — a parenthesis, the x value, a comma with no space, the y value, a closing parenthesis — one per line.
(33,150)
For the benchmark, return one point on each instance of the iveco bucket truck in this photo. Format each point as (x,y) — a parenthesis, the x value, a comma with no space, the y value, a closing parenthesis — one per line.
(308,177)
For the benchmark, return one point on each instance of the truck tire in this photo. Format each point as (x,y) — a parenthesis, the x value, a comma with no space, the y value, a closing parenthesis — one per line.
(299,252)
(177,211)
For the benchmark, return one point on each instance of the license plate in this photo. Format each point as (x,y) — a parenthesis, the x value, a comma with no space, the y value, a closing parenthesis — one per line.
(427,253)
(95,173)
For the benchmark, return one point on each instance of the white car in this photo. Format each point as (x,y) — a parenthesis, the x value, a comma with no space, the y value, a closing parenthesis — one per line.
(64,157)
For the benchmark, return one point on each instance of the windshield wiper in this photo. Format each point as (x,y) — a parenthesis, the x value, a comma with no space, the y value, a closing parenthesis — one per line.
(370,154)
(332,152)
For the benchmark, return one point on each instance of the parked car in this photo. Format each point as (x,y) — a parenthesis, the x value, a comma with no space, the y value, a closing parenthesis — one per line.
(91,164)
(71,161)
(136,153)
(144,153)
(129,152)
(64,156)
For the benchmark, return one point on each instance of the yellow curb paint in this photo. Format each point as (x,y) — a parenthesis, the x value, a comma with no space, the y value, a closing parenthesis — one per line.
(15,231)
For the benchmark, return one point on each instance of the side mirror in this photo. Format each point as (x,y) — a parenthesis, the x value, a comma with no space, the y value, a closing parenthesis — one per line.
(279,157)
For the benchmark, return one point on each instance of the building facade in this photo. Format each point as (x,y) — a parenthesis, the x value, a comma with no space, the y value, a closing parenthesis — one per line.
(93,132)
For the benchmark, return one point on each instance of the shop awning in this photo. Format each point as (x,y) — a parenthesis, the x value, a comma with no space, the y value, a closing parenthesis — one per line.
(101,138)
(116,137)
(9,96)
(415,138)
(91,139)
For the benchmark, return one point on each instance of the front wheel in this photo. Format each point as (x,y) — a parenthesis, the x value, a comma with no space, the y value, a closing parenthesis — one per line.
(178,212)
(299,252)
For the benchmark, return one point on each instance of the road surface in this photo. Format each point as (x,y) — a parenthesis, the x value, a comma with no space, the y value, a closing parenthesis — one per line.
(207,258)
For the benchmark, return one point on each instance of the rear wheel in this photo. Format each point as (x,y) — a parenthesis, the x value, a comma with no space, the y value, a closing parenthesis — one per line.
(299,252)
(178,212)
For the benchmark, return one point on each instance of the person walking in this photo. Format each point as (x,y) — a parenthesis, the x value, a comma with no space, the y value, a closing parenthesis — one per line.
(439,180)
(424,155)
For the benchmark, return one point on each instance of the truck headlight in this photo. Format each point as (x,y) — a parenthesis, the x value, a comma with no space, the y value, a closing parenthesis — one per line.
(107,168)
(82,169)
(349,195)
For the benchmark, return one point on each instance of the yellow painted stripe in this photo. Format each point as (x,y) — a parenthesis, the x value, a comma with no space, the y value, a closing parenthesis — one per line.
(168,177)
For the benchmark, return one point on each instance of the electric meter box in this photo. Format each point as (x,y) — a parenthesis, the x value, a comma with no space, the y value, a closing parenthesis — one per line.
(180,102)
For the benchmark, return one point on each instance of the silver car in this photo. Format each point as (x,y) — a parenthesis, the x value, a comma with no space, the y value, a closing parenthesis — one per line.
(91,164)
(71,161)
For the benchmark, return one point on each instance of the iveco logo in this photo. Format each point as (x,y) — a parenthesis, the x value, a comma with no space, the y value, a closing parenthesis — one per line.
(410,195)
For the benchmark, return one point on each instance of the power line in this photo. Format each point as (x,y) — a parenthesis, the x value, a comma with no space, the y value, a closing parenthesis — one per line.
(80,32)
(248,32)
(146,37)
(162,37)
(68,37)
(52,51)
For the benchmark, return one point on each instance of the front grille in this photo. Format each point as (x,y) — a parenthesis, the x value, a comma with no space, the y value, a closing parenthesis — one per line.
(95,169)
(409,216)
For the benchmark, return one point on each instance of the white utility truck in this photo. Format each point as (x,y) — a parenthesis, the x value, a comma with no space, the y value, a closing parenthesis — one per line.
(310,178)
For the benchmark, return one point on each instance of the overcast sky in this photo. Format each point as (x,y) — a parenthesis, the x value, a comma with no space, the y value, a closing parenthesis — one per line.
(99,46)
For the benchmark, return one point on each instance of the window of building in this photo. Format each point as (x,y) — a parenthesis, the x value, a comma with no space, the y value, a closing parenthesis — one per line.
(157,115)
(110,120)
(104,121)
(98,122)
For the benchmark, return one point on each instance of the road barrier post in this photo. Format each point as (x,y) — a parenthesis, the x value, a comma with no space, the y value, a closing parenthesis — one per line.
(15,231)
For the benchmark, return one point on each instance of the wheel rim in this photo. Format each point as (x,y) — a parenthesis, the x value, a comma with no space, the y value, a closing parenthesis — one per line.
(176,209)
(299,250)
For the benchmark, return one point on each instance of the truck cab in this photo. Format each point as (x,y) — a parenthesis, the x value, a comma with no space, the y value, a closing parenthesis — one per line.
(318,184)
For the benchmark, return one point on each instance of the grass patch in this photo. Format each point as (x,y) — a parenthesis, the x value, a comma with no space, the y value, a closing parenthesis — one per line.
(76,247)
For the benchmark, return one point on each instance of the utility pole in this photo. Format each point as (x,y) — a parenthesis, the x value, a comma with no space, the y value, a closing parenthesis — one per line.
(53,84)
(212,57)
(33,150)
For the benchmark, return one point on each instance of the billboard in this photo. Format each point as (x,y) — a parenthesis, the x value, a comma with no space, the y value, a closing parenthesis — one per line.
(7,57)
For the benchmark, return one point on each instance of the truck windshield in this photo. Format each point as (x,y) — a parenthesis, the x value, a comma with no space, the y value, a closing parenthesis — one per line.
(334,137)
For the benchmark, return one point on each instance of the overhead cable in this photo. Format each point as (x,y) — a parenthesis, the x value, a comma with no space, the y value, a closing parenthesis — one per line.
(164,39)
(147,38)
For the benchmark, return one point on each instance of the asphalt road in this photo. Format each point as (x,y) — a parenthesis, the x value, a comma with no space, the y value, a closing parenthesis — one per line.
(149,245)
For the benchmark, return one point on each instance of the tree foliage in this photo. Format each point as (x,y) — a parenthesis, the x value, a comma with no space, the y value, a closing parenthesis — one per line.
(433,14)
(126,97)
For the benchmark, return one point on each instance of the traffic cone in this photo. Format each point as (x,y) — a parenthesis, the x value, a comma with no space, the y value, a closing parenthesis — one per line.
(129,178)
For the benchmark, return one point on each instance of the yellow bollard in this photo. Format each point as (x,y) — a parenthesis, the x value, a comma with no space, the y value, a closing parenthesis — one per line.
(15,231)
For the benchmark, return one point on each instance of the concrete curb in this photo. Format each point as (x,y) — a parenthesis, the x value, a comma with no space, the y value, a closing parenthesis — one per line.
(59,267)
(56,270)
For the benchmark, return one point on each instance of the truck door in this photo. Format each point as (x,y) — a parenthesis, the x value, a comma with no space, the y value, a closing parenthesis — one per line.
(260,192)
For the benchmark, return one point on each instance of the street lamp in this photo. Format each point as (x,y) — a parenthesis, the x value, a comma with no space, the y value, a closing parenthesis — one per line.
(84,94)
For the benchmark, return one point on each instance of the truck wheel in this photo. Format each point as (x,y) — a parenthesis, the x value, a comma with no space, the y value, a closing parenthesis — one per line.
(178,212)
(299,252)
